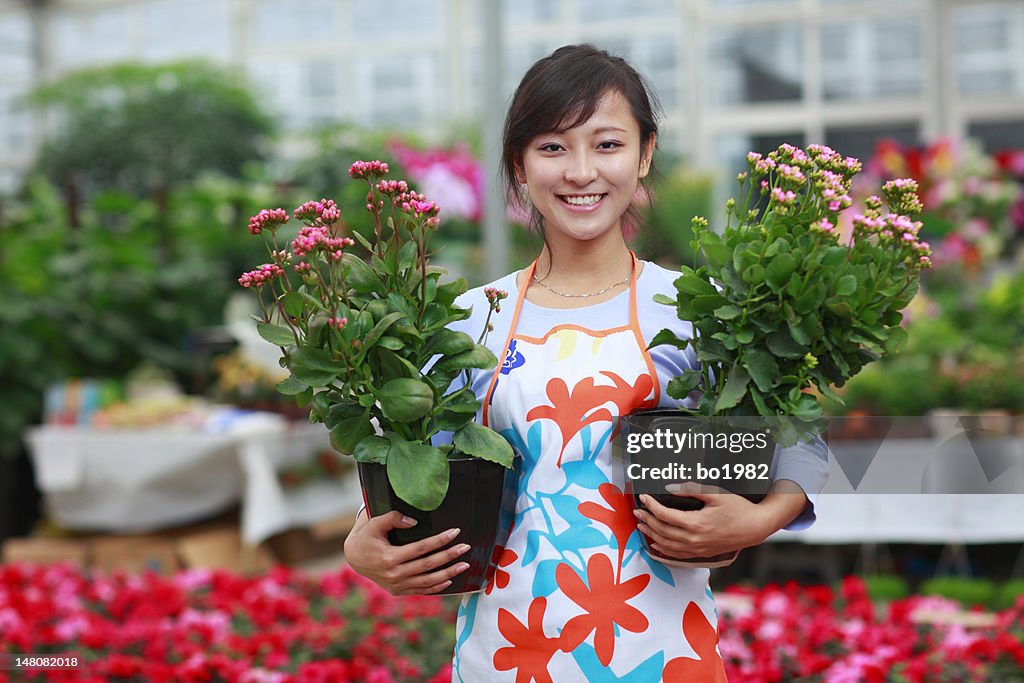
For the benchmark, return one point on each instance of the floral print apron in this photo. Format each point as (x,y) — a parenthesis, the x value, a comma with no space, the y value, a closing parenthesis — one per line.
(575,597)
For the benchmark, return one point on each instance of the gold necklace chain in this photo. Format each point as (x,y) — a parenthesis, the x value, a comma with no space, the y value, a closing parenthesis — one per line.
(584,296)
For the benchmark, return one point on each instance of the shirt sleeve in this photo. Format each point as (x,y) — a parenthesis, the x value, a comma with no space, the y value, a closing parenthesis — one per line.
(806,465)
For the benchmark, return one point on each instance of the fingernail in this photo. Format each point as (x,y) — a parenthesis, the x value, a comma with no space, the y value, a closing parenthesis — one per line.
(462,548)
(408,521)
(452,533)
(638,514)
(461,567)
(674,488)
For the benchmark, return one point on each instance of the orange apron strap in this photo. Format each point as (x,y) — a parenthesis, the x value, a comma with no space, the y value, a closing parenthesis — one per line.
(634,324)
(508,340)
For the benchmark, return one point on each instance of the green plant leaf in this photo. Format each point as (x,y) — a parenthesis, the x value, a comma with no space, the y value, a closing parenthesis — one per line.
(778,271)
(728,312)
(278,335)
(290,387)
(483,442)
(479,357)
(451,421)
(897,340)
(679,387)
(378,331)
(359,276)
(450,291)
(667,336)
(462,401)
(799,336)
(373,449)
(407,255)
(448,342)
(348,432)
(405,399)
(390,343)
(314,367)
(691,282)
(293,304)
(664,299)
(762,368)
(707,303)
(734,390)
(782,344)
(846,285)
(419,473)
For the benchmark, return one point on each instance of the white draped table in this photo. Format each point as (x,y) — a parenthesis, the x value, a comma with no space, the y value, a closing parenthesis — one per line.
(920,491)
(141,480)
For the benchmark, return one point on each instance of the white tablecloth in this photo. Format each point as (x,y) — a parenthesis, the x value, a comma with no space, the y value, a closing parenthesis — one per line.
(150,479)
(902,496)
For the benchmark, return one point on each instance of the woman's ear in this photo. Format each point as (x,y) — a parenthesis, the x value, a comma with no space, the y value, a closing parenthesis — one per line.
(520,174)
(647,155)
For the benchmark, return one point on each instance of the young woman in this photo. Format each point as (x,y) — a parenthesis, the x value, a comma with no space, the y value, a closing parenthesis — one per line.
(577,598)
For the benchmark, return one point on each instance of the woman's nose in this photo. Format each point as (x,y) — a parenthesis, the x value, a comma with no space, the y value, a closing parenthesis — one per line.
(581,169)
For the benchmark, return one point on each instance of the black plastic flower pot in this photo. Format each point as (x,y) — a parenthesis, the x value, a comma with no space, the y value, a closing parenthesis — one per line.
(654,461)
(480,503)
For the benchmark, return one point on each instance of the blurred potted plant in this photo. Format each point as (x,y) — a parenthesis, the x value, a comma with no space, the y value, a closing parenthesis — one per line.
(367,347)
(784,308)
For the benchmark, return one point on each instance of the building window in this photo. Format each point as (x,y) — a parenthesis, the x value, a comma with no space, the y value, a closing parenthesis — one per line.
(989,49)
(403,17)
(396,90)
(274,23)
(872,58)
(176,28)
(998,136)
(860,141)
(304,92)
(85,37)
(755,64)
(603,10)
(15,44)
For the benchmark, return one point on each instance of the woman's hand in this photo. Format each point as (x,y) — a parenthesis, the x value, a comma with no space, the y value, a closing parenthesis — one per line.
(406,569)
(727,522)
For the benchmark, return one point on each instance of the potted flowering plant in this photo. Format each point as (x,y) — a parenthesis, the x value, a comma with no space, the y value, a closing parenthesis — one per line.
(785,308)
(368,349)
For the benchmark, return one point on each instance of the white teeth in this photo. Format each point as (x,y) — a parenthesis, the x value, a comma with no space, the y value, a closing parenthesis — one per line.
(584,200)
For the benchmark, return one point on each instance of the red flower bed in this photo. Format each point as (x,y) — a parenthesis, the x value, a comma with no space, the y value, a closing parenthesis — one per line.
(283,627)
(287,627)
(799,633)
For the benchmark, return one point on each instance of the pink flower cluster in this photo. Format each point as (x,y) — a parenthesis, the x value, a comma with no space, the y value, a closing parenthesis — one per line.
(800,633)
(202,625)
(789,172)
(318,238)
(368,169)
(317,213)
(267,219)
(261,276)
(495,297)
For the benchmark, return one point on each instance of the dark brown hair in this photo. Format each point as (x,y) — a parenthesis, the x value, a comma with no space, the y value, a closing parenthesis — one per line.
(562,91)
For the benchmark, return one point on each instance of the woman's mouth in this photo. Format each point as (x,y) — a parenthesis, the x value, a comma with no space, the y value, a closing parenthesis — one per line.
(581,200)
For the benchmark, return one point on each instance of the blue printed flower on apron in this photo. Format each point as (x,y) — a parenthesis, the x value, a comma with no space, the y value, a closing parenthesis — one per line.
(575,597)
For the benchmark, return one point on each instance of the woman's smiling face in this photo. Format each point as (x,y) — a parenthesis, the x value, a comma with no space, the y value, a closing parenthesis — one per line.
(583,179)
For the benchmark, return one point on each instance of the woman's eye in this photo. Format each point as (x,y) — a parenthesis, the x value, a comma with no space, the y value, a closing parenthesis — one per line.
(550,147)
(609,144)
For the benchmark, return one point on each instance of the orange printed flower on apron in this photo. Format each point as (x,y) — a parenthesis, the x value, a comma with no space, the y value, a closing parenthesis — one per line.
(576,597)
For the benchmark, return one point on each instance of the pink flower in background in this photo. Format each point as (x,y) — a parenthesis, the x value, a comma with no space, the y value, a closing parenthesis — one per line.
(451,177)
